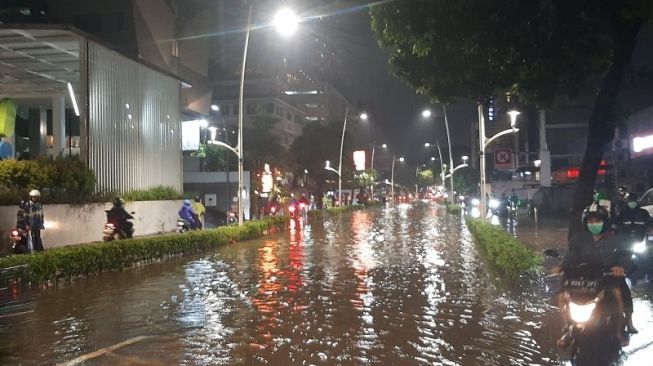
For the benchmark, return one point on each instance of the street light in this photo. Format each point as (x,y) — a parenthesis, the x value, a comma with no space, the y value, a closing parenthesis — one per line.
(385,146)
(442,165)
(392,176)
(484,142)
(460,166)
(363,116)
(286,23)
(427,114)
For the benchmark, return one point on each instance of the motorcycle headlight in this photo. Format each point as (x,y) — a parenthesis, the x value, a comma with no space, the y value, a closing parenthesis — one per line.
(494,203)
(640,247)
(581,313)
(476,201)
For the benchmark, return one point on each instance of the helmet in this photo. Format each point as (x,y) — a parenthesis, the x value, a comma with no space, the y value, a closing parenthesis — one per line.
(118,202)
(186,202)
(623,191)
(34,193)
(197,198)
(597,212)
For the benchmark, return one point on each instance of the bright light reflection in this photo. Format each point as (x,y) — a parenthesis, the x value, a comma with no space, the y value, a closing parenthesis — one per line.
(286,22)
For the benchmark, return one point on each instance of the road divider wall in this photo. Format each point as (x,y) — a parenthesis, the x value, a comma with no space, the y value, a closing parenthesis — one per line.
(508,255)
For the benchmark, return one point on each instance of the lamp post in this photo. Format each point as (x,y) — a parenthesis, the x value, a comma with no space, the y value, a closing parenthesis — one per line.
(460,166)
(442,165)
(392,176)
(427,114)
(363,117)
(286,23)
(484,142)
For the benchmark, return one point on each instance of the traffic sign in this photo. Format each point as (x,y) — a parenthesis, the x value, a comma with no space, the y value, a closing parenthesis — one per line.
(502,158)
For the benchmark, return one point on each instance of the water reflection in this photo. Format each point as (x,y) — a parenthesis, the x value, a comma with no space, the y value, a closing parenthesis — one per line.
(394,286)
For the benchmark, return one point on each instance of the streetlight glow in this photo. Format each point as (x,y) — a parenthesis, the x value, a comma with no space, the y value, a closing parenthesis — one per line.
(465,158)
(426,113)
(428,144)
(401,159)
(432,158)
(364,116)
(513,116)
(215,107)
(286,22)
(385,146)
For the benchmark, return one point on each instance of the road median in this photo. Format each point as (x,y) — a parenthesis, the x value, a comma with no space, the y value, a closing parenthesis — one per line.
(509,256)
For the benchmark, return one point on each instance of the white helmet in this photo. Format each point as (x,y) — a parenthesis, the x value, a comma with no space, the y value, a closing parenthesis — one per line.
(34,193)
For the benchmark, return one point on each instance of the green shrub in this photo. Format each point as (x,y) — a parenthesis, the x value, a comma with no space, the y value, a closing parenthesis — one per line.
(453,209)
(73,261)
(158,193)
(62,180)
(510,257)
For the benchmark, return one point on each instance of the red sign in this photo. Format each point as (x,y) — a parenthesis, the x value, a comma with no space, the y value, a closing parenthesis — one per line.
(502,158)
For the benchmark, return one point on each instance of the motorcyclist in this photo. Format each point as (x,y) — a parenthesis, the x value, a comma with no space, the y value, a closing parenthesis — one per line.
(601,199)
(619,205)
(118,216)
(303,199)
(35,219)
(513,200)
(200,211)
(633,214)
(599,246)
(186,212)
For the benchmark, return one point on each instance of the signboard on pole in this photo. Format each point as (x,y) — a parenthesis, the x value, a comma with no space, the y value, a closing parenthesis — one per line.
(503,158)
(359,160)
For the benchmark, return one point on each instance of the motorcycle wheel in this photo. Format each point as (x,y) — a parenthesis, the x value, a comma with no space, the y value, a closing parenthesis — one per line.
(598,348)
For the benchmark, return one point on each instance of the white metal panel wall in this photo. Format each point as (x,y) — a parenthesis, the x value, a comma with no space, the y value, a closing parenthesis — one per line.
(134,123)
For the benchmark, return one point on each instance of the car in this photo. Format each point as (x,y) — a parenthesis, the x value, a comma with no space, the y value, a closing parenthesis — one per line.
(646,201)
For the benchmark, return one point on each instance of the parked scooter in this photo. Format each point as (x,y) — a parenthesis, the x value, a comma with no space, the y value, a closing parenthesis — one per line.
(117,229)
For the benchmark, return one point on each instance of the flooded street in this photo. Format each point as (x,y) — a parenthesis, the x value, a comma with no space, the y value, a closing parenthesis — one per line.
(395,286)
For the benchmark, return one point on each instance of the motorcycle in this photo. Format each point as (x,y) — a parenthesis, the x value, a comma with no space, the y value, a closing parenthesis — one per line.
(113,230)
(591,339)
(232,217)
(295,216)
(640,241)
(19,239)
(183,225)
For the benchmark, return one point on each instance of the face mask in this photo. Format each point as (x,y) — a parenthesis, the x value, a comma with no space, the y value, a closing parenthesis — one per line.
(632,205)
(595,228)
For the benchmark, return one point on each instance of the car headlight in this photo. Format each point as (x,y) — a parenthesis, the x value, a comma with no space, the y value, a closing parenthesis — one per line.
(640,247)
(494,203)
(581,313)
(476,201)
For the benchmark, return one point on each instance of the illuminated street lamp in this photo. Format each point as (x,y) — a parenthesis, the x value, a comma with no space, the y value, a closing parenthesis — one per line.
(392,176)
(362,116)
(286,23)
(427,114)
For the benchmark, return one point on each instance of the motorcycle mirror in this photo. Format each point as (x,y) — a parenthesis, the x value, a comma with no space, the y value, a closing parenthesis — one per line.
(552,253)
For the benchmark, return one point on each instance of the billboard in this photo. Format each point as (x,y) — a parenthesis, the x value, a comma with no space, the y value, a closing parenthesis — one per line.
(190,135)
(641,145)
(359,160)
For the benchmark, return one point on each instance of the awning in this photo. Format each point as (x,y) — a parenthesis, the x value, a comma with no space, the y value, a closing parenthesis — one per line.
(37,63)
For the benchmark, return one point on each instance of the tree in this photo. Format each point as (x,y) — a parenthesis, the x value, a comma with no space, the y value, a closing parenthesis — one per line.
(538,50)
(465,180)
(425,178)
(365,178)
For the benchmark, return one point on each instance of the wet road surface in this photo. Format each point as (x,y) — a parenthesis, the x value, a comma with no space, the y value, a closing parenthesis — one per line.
(400,286)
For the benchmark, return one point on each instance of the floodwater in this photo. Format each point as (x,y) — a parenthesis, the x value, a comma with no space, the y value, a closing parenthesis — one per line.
(393,286)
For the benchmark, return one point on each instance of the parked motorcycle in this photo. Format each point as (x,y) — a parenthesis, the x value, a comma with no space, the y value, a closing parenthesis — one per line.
(591,339)
(114,230)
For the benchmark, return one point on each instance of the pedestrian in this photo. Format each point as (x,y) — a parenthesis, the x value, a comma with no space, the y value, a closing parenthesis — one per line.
(35,219)
(325,201)
(199,210)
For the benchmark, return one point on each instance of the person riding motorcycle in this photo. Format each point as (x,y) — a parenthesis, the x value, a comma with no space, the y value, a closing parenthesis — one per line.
(200,211)
(633,214)
(599,246)
(186,212)
(620,203)
(118,216)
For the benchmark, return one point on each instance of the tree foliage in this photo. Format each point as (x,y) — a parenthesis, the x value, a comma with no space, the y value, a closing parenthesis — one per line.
(425,178)
(539,50)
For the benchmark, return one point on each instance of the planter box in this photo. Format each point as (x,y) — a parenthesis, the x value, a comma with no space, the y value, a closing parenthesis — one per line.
(77,224)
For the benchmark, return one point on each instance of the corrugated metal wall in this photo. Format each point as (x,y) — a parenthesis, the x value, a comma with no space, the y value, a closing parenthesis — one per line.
(134,123)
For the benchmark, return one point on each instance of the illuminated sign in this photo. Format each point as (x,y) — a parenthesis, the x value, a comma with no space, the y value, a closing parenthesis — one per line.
(266,180)
(359,160)
(190,135)
(642,145)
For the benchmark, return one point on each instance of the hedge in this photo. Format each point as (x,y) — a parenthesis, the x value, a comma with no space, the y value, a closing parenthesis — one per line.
(73,261)
(453,209)
(510,257)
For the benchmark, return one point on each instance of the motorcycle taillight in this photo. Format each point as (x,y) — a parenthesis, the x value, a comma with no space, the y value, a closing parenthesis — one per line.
(14,232)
